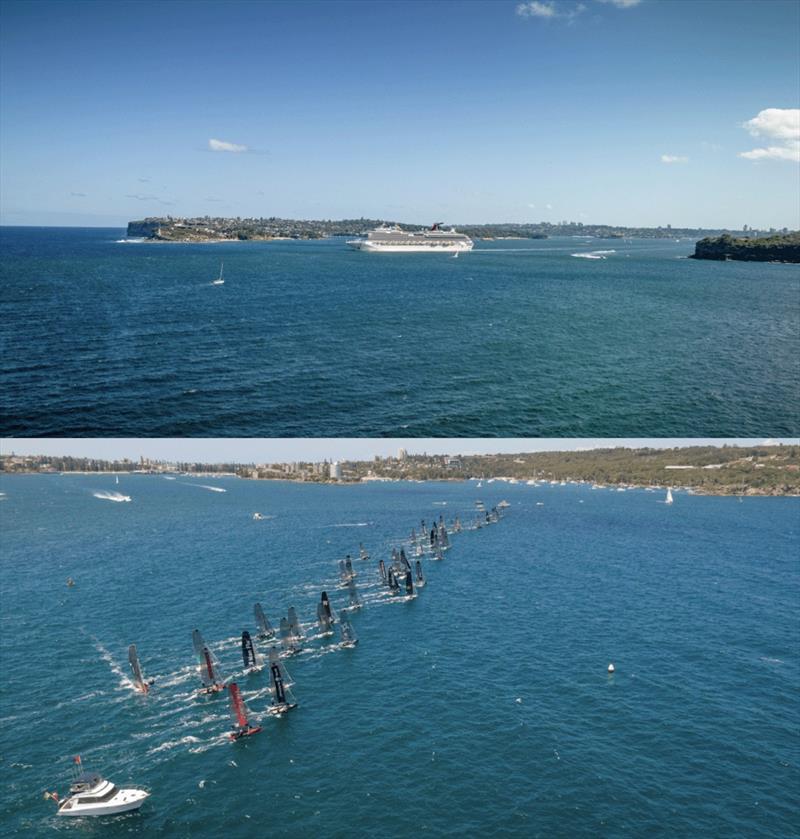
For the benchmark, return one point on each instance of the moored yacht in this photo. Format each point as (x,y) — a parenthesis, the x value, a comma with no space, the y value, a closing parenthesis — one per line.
(392,239)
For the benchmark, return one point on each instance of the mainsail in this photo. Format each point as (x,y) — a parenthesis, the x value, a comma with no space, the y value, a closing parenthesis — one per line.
(420,575)
(249,654)
(409,583)
(355,601)
(326,604)
(136,668)
(349,638)
(323,619)
(239,712)
(265,629)
(282,699)
(287,639)
(198,643)
(294,625)
(209,671)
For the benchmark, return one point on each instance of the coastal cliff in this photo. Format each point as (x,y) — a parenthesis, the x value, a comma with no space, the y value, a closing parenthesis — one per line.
(783,248)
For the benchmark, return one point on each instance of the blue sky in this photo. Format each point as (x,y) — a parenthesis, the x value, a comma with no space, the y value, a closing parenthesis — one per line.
(619,111)
(236,450)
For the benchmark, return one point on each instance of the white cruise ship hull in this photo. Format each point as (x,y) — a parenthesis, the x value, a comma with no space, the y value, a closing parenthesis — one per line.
(432,247)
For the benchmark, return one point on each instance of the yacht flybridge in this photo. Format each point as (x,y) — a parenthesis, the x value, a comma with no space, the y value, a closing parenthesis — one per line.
(92,795)
(392,239)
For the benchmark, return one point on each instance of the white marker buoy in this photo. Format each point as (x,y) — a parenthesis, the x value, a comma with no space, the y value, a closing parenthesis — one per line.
(610,668)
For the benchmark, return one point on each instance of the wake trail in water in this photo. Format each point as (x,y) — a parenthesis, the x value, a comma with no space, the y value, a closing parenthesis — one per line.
(202,486)
(111,496)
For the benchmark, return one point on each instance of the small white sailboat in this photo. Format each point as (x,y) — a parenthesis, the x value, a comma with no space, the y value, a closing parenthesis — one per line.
(668,499)
(93,795)
(220,280)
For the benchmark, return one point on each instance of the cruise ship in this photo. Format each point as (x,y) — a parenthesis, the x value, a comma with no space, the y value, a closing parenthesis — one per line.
(391,239)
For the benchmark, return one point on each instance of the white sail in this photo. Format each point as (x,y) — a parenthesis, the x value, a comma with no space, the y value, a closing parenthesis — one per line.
(668,499)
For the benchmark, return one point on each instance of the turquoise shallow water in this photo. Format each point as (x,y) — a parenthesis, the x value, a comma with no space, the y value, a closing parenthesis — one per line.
(483,707)
(517,338)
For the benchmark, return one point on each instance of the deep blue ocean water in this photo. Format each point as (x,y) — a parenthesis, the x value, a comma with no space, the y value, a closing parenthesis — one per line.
(517,338)
(482,708)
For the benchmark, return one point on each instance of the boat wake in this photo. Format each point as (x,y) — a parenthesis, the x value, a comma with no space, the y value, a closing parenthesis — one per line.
(593,254)
(112,496)
(351,524)
(203,486)
(116,669)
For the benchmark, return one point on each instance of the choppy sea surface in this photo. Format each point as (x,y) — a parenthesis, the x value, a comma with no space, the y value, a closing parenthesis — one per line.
(557,337)
(481,708)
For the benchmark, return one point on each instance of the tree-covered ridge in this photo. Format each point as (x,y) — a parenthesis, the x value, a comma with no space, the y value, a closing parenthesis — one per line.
(726,470)
(780,248)
(208,228)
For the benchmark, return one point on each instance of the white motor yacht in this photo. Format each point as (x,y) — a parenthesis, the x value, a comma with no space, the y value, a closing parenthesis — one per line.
(93,795)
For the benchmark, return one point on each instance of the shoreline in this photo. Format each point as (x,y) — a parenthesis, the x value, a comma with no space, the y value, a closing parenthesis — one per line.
(722,492)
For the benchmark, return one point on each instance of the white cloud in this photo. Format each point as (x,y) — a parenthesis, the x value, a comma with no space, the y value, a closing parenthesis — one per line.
(537,9)
(673,158)
(781,124)
(532,206)
(548,206)
(222,145)
(548,10)
(622,4)
(791,151)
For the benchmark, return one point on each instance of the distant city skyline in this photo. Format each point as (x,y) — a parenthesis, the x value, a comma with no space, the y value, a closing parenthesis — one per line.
(264,450)
(621,112)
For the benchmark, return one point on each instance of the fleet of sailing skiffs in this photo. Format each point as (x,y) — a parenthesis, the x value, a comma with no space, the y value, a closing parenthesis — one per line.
(92,795)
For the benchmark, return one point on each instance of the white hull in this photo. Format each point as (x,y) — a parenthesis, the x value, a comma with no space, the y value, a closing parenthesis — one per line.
(374,247)
(123,802)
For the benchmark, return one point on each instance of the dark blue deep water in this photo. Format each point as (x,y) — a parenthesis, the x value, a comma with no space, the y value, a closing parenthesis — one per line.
(517,338)
(482,708)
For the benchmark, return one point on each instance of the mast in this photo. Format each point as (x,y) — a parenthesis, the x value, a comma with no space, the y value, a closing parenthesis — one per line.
(136,668)
(265,629)
(294,625)
(355,601)
(420,576)
(349,638)
(326,604)
(282,699)
(323,619)
(237,706)
(198,642)
(248,651)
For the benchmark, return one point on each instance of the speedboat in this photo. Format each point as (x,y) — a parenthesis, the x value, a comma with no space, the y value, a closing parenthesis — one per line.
(93,795)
